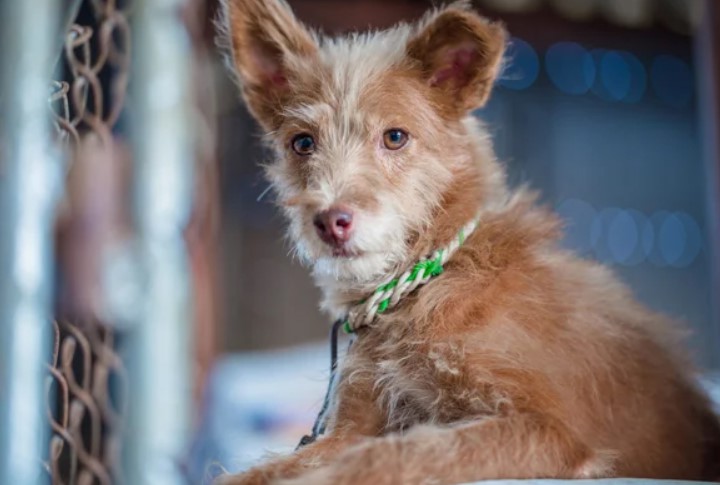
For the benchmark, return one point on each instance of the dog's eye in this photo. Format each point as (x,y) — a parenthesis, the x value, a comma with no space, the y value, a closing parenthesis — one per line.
(395,139)
(303,144)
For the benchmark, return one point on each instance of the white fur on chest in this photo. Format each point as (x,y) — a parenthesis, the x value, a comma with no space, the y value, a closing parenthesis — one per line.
(418,383)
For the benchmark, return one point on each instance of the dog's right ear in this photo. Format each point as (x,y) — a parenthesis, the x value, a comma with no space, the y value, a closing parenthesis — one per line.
(460,55)
(265,40)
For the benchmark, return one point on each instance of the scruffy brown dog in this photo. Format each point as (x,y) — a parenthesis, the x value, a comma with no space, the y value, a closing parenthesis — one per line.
(519,360)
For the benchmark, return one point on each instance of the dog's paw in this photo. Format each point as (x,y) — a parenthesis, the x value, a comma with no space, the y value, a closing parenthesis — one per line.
(373,463)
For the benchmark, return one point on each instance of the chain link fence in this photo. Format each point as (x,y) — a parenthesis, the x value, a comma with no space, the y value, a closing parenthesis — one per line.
(86,391)
(90,389)
(97,61)
(87,383)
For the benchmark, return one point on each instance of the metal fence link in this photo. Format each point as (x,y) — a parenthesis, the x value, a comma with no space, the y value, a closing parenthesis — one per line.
(86,384)
(87,401)
(81,105)
(85,418)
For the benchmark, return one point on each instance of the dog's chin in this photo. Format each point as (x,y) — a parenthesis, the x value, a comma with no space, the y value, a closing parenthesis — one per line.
(352,266)
(343,252)
(362,261)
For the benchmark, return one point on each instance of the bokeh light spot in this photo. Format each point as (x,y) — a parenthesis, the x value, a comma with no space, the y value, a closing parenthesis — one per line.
(638,77)
(523,67)
(599,234)
(672,81)
(621,76)
(570,67)
(615,75)
(651,238)
(693,240)
(672,239)
(623,237)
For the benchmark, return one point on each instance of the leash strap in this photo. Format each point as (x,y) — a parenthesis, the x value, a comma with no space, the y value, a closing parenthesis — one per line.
(321,420)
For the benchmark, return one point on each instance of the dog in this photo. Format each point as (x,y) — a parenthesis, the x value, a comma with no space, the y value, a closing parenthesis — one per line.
(482,350)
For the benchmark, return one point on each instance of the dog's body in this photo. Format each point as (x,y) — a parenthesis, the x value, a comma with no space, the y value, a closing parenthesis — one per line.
(520,360)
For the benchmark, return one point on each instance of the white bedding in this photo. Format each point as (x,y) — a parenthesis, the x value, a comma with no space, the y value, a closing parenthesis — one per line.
(258,403)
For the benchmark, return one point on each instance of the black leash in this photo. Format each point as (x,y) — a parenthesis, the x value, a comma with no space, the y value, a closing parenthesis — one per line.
(321,420)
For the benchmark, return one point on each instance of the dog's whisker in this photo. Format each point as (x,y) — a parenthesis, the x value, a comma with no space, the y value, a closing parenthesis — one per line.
(263,193)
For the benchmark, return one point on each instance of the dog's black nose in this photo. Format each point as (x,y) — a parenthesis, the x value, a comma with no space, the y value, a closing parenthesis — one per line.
(334,226)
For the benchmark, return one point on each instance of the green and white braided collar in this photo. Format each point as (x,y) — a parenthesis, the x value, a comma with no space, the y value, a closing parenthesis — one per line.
(387,295)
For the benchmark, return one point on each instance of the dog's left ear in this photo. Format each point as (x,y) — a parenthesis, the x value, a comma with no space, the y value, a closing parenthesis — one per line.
(459,54)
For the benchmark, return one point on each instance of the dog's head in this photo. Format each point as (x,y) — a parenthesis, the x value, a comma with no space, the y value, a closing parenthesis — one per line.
(370,130)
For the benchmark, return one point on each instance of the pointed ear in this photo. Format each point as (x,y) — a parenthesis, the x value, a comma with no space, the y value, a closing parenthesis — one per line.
(460,55)
(265,40)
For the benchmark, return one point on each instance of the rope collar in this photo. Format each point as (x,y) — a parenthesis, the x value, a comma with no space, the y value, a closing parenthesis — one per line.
(389,294)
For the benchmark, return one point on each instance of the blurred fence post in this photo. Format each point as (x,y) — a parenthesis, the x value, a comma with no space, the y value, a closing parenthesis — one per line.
(159,356)
(29,184)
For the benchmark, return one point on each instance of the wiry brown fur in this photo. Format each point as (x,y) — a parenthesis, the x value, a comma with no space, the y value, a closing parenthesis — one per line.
(520,360)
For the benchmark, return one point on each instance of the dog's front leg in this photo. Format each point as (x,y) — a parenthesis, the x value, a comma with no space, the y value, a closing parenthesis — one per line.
(520,446)
(310,456)
(355,418)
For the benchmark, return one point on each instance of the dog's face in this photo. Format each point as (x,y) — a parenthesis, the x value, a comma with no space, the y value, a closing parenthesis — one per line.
(368,130)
